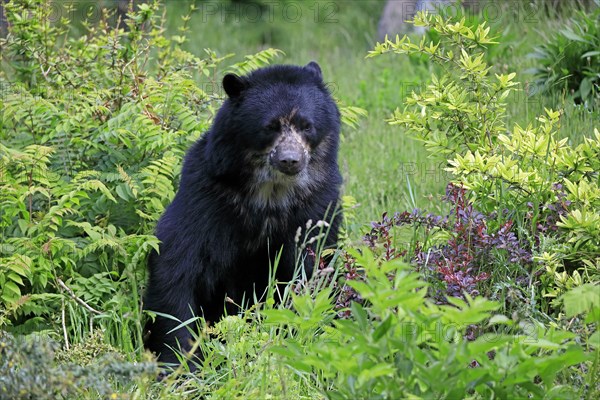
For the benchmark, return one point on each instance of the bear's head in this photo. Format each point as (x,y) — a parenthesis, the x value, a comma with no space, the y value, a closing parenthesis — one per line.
(275,122)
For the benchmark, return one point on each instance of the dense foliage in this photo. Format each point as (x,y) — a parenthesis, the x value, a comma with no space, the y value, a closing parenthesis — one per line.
(93,133)
(36,368)
(91,144)
(530,185)
(525,203)
(405,346)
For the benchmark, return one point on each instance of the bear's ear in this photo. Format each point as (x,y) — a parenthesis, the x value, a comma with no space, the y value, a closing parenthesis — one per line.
(314,68)
(234,85)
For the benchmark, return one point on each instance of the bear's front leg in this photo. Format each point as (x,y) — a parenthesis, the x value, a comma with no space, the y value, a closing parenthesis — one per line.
(177,300)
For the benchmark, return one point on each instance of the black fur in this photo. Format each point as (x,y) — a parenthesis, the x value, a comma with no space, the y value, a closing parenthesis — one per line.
(240,201)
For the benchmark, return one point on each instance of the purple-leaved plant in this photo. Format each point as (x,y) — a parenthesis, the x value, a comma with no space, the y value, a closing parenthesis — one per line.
(460,262)
(478,242)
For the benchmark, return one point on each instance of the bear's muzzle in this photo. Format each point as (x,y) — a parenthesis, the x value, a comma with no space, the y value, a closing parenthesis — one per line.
(289,155)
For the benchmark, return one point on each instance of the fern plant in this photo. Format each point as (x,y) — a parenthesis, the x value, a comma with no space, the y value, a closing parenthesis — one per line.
(92,142)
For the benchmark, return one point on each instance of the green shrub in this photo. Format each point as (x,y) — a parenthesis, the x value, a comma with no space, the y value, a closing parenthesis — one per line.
(545,189)
(396,344)
(402,345)
(463,109)
(31,370)
(570,60)
(527,191)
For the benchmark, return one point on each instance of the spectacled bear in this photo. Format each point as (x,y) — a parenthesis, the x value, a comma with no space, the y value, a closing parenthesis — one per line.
(266,167)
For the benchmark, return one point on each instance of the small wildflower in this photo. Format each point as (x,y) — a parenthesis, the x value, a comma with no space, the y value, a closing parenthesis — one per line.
(321,224)
(315,238)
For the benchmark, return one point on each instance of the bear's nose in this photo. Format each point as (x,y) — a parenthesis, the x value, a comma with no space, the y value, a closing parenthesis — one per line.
(290,161)
(289,158)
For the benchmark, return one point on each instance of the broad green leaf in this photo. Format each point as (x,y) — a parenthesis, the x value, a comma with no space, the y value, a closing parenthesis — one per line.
(581,299)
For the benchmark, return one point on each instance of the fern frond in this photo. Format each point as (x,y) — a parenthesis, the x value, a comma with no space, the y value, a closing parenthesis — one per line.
(255,61)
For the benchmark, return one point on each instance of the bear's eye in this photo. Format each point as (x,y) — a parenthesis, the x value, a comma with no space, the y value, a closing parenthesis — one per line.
(306,126)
